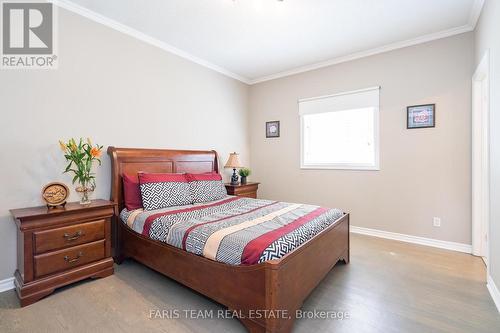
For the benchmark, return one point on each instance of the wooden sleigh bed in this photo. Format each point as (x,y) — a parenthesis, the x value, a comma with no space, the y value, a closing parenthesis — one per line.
(274,287)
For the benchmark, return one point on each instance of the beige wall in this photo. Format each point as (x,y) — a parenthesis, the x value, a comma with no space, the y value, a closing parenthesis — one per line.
(117,90)
(423,173)
(133,94)
(487,38)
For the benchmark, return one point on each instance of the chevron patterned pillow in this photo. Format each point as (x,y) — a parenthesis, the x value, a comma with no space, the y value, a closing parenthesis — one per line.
(162,190)
(206,187)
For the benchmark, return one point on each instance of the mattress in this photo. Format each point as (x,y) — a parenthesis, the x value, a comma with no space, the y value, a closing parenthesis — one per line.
(234,230)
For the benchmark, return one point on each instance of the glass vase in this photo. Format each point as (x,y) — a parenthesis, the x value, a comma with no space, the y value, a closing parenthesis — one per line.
(85,192)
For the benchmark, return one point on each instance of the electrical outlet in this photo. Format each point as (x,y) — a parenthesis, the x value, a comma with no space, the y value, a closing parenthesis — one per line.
(436,221)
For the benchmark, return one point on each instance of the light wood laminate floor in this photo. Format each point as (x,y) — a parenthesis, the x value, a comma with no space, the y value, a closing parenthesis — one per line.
(389,286)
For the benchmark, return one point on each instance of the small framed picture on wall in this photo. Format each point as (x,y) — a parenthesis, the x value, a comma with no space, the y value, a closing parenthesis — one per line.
(421,116)
(273,129)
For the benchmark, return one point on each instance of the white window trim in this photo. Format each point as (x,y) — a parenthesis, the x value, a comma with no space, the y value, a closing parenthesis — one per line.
(343,166)
(339,94)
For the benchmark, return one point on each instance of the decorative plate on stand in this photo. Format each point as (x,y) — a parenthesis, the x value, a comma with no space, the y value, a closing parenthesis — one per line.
(55,194)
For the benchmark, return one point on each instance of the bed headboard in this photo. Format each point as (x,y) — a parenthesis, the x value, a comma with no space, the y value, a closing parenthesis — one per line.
(133,160)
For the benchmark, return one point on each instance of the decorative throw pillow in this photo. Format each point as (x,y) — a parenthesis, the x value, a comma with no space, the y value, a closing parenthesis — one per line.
(206,186)
(131,192)
(161,190)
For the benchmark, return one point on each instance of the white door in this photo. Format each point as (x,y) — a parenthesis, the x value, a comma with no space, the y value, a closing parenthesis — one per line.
(480,159)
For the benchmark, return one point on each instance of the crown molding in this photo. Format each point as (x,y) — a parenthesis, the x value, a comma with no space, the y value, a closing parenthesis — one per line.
(367,53)
(475,13)
(470,26)
(68,5)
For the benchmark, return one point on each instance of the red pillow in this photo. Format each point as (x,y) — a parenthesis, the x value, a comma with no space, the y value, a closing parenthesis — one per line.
(131,192)
(203,176)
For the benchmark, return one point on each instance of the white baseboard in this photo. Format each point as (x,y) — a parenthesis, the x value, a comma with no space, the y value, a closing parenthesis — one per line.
(495,294)
(6,284)
(466,248)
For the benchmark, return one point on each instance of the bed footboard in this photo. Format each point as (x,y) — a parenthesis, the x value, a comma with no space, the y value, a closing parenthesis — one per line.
(291,279)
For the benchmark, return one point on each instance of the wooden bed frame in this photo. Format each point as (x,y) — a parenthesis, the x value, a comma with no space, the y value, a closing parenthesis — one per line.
(271,290)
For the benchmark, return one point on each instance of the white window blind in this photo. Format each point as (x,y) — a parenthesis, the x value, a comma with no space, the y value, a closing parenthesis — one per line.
(340,131)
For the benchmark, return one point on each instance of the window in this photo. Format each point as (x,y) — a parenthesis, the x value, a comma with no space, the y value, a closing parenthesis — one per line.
(340,131)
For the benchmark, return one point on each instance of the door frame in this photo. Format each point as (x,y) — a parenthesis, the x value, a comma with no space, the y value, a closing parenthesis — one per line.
(480,158)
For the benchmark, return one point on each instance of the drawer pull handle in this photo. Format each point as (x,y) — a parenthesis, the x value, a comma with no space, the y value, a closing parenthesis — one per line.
(70,238)
(76,259)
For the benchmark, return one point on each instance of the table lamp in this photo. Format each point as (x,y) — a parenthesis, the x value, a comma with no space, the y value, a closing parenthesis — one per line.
(233,162)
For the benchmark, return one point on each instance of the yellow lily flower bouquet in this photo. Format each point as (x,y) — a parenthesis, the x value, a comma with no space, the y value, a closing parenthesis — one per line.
(81,157)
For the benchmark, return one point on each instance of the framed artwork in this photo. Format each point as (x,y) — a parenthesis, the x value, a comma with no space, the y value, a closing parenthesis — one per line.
(421,116)
(272,129)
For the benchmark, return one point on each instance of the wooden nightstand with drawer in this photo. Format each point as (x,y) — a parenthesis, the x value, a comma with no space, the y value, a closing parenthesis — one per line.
(56,247)
(248,190)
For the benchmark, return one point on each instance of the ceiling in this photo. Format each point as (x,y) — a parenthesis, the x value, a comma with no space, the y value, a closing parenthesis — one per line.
(258,40)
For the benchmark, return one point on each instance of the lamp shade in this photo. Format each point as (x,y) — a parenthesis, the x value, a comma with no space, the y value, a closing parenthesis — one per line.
(233,161)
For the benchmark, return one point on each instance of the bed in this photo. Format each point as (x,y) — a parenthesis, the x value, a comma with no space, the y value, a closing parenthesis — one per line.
(263,291)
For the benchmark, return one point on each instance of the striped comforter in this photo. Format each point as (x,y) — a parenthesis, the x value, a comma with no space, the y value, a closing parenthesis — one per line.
(234,230)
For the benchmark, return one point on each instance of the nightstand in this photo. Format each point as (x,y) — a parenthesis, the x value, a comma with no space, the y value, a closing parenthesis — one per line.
(248,190)
(59,246)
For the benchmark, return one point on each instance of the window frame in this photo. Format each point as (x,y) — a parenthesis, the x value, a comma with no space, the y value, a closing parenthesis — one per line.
(344,166)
